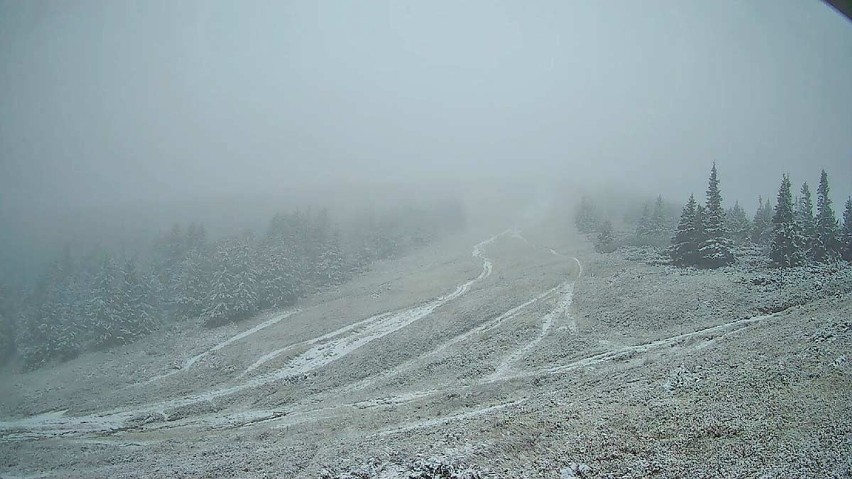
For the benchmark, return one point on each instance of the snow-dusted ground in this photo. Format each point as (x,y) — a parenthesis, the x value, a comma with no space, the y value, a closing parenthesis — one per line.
(522,352)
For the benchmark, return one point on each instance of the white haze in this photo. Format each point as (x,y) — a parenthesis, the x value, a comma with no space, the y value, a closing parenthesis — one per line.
(110,108)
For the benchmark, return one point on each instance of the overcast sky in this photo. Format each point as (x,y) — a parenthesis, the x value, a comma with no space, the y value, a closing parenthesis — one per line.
(121,102)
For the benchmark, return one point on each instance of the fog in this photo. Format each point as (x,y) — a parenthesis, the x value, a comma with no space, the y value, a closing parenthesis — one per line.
(114,108)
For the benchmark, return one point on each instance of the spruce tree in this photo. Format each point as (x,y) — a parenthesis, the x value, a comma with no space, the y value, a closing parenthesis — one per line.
(219,304)
(804,217)
(699,229)
(329,264)
(135,313)
(659,227)
(50,327)
(846,248)
(786,249)
(643,227)
(277,282)
(738,224)
(233,293)
(825,246)
(761,230)
(684,250)
(104,309)
(586,216)
(192,288)
(715,249)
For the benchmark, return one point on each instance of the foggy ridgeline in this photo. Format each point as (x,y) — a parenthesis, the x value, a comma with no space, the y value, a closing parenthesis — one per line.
(98,300)
(789,233)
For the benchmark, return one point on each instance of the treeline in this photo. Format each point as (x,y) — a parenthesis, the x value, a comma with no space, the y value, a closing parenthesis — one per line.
(706,235)
(652,226)
(98,300)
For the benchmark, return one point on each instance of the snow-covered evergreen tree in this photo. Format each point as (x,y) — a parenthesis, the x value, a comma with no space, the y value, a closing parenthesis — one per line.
(586,216)
(804,217)
(655,225)
(825,245)
(738,224)
(136,316)
(51,327)
(219,305)
(245,273)
(643,226)
(329,265)
(787,248)
(196,239)
(192,288)
(277,281)
(700,212)
(761,229)
(715,250)
(684,250)
(105,307)
(846,237)
(234,291)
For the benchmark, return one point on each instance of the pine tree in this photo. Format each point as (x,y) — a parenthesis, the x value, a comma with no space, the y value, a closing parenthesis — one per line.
(761,230)
(134,312)
(715,250)
(104,308)
(643,227)
(234,291)
(277,282)
(586,217)
(825,246)
(700,235)
(192,286)
(244,270)
(846,248)
(684,250)
(659,224)
(738,224)
(605,239)
(196,239)
(329,265)
(219,304)
(804,217)
(50,327)
(787,242)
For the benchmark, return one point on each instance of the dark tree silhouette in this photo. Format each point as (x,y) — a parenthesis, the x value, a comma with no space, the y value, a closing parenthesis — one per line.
(786,249)
(684,250)
(715,249)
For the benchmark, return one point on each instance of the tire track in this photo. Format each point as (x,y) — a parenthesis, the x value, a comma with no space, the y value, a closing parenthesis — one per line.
(716,332)
(561,310)
(318,355)
(191,361)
